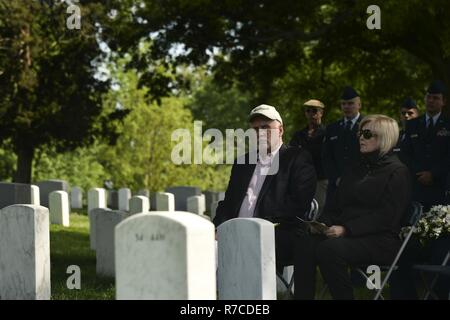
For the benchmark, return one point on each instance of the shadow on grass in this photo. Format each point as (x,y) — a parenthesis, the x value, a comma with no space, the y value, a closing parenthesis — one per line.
(70,246)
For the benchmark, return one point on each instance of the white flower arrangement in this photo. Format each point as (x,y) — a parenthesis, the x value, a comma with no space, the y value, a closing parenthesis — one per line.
(431,225)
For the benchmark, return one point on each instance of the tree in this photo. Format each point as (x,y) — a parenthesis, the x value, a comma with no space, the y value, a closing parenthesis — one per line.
(141,157)
(50,94)
(219,107)
(259,42)
(7,163)
(80,167)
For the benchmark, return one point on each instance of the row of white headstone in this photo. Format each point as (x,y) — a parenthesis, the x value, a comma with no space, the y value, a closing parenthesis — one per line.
(153,255)
(165,201)
(98,196)
(138,204)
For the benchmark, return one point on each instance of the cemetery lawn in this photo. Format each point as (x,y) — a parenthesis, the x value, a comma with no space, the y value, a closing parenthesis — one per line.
(70,246)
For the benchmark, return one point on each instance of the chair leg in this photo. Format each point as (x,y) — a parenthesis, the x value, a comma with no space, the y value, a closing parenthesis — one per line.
(429,289)
(323,291)
(379,291)
(291,286)
(287,285)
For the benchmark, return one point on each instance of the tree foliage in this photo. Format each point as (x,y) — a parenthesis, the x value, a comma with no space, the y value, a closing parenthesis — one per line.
(50,95)
(325,44)
(142,155)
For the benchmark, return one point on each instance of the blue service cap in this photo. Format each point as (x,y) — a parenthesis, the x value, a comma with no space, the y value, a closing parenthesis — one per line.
(349,93)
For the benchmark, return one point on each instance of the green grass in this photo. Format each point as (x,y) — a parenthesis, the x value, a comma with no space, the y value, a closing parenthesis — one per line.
(70,246)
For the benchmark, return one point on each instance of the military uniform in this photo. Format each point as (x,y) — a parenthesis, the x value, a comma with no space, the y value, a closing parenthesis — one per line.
(341,148)
(408,104)
(447,188)
(427,149)
(341,145)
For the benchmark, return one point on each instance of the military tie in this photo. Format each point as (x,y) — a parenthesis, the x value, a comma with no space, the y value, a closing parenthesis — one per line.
(430,129)
(347,138)
(430,124)
(348,125)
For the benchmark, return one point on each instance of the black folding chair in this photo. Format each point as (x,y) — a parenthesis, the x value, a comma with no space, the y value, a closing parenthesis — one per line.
(311,215)
(412,218)
(438,270)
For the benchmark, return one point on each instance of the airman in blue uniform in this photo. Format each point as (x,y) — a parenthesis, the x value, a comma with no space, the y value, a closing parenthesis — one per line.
(426,147)
(341,144)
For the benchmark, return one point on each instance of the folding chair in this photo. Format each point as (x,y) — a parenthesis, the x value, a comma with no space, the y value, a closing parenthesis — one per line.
(438,270)
(413,217)
(311,215)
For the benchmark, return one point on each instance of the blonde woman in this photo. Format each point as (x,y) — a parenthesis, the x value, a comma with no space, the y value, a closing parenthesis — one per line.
(364,216)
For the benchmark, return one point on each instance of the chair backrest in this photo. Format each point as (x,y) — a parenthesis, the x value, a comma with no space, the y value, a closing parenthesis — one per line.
(413,214)
(313,212)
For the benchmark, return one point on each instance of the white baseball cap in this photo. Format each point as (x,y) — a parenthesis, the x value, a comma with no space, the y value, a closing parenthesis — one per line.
(266,111)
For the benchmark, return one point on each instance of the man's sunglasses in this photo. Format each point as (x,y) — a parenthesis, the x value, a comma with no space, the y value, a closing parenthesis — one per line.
(366,134)
(409,113)
(312,110)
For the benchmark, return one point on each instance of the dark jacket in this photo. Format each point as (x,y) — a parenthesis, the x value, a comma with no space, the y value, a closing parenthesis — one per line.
(447,191)
(425,151)
(340,151)
(313,145)
(283,196)
(398,148)
(372,198)
(447,187)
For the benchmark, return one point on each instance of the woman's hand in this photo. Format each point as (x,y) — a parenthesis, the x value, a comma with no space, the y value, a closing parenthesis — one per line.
(335,232)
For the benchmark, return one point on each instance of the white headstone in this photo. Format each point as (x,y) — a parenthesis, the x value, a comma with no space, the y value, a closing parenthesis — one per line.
(96,198)
(48,186)
(165,201)
(76,198)
(181,194)
(246,260)
(92,225)
(59,208)
(139,204)
(221,196)
(35,197)
(105,223)
(196,204)
(24,253)
(165,255)
(214,206)
(124,198)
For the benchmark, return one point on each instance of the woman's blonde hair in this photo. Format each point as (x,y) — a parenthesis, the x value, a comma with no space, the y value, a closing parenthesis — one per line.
(385,128)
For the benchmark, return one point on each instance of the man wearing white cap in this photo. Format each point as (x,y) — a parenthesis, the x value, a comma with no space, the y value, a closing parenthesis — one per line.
(280,196)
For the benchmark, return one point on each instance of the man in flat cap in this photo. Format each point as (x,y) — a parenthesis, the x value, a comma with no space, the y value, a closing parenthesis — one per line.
(341,144)
(408,111)
(426,149)
(279,197)
(311,138)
